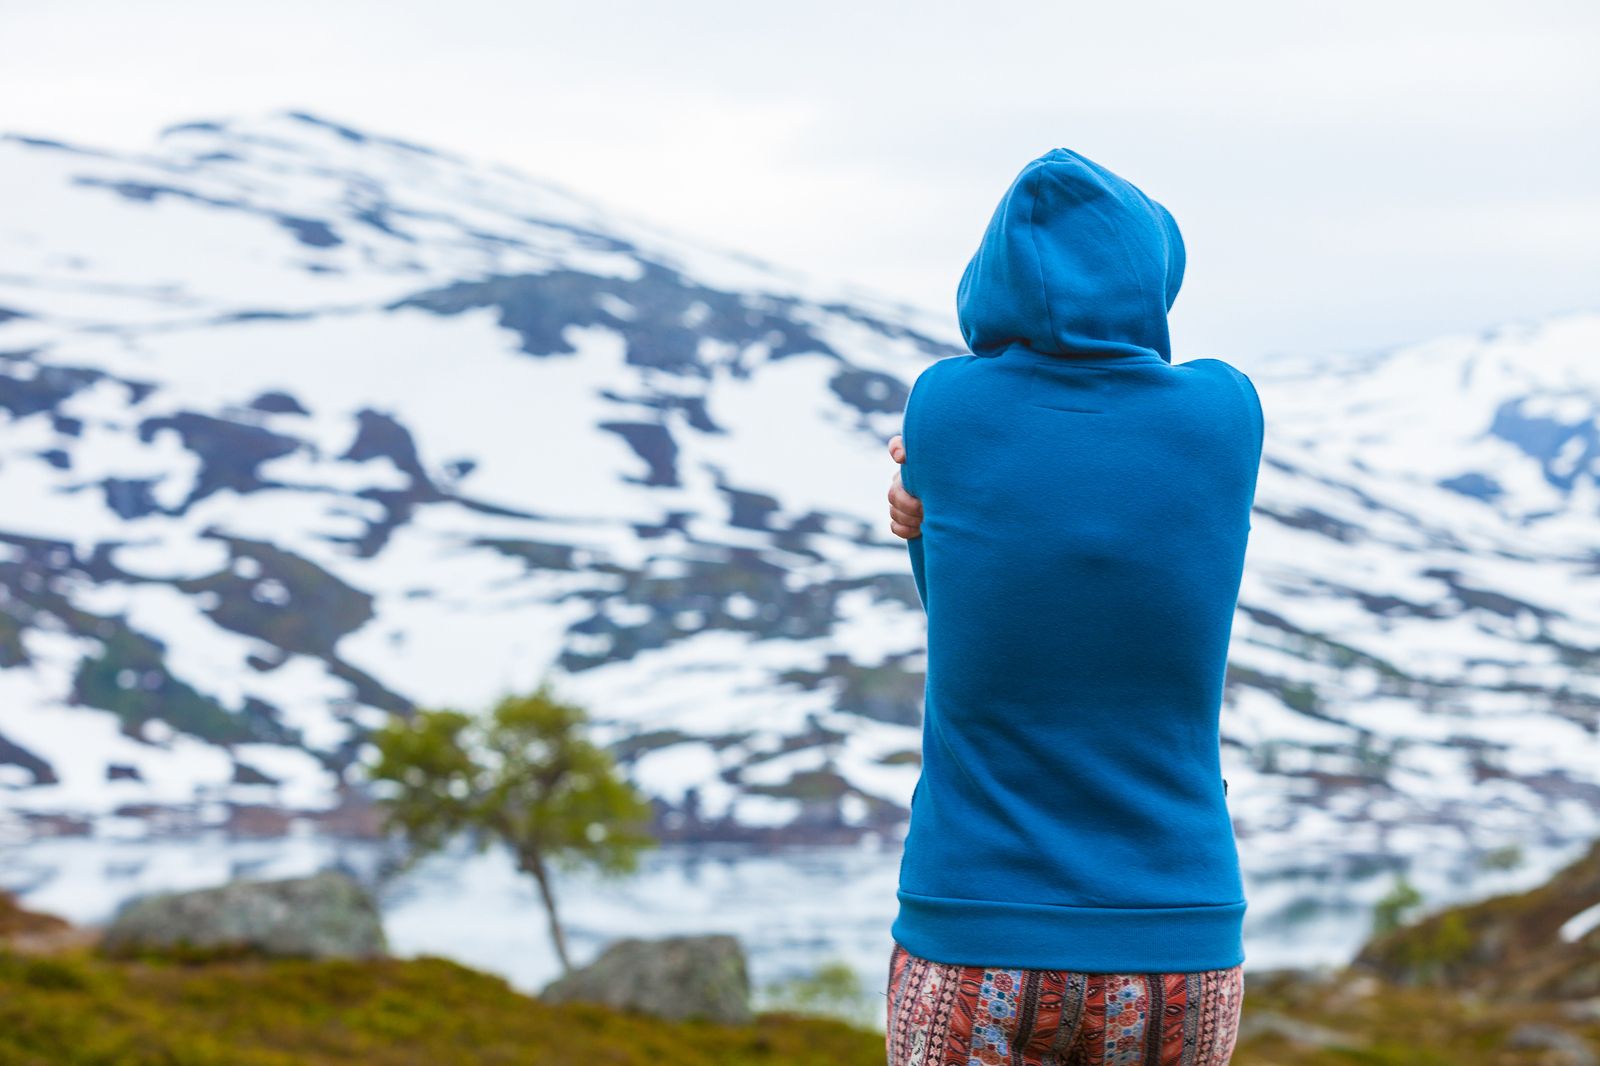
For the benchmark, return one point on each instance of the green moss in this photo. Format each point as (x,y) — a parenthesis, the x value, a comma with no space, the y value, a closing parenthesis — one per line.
(1301,696)
(16,919)
(1504,946)
(78,1009)
(1430,950)
(1508,857)
(832,990)
(316,611)
(129,678)
(1389,913)
(643,743)
(807,785)
(12,652)
(1388,1024)
(906,757)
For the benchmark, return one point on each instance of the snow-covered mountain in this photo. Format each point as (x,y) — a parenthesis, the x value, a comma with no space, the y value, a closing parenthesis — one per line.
(305,427)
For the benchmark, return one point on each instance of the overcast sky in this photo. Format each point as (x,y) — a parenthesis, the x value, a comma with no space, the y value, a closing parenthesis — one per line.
(1347,176)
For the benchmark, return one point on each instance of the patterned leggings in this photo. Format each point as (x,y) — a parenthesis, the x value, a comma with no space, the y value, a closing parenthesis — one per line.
(945,1014)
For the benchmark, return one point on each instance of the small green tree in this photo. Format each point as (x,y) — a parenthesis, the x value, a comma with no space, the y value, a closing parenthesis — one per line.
(832,990)
(523,776)
(1389,912)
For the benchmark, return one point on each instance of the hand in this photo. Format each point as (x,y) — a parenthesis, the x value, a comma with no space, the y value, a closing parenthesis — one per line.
(905,510)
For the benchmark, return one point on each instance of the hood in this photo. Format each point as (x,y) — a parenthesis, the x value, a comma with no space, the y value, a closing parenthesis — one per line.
(1076,262)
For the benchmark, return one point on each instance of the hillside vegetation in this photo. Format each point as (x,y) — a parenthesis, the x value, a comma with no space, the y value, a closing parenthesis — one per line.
(1492,983)
(75,1009)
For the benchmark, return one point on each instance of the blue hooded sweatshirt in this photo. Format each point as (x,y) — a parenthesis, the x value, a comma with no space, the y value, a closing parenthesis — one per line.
(1086,507)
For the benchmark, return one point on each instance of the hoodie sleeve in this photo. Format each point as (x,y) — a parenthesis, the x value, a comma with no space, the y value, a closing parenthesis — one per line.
(918,572)
(908,481)
(1252,399)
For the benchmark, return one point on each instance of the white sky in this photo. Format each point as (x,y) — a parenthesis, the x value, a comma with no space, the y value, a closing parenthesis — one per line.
(1346,175)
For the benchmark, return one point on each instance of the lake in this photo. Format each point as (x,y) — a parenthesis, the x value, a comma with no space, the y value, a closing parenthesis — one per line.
(793,908)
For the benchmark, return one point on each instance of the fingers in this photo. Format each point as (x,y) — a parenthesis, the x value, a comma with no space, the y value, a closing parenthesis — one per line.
(905,511)
(903,502)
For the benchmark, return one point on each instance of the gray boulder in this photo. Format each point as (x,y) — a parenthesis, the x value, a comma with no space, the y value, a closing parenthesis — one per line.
(1257,1023)
(1567,1048)
(327,915)
(678,978)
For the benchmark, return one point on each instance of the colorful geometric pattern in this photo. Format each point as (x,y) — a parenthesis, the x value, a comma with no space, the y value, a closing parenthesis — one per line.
(945,1014)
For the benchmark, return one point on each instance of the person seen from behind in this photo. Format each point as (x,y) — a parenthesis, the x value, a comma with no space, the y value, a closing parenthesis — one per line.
(1076,507)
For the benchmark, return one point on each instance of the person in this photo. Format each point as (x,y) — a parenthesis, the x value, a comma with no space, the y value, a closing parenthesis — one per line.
(1076,508)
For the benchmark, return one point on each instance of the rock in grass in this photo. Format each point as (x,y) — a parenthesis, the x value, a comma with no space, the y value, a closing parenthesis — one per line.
(678,978)
(327,915)
(1568,1047)
(1257,1023)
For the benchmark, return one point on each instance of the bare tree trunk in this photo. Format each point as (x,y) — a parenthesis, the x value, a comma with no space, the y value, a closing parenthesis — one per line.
(534,865)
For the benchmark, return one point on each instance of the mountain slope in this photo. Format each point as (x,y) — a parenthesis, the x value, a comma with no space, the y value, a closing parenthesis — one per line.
(313,427)
(308,427)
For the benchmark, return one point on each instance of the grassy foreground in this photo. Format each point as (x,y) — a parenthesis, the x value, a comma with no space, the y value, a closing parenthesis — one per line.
(1293,1019)
(74,1008)
(1487,983)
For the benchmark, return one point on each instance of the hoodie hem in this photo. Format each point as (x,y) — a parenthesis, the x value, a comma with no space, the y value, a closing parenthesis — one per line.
(995,933)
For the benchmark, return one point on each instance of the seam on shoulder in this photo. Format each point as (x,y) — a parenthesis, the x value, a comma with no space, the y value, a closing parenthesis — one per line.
(908,477)
(1253,397)
(1247,389)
